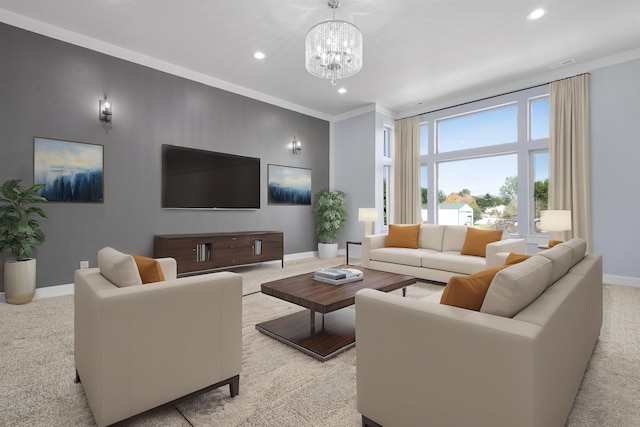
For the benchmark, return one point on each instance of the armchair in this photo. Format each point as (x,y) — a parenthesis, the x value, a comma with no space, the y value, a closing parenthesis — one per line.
(144,346)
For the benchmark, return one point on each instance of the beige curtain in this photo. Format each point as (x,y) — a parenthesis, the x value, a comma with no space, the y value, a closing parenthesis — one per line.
(569,171)
(407,171)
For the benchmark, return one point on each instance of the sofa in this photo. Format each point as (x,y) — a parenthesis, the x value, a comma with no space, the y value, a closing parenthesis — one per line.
(138,346)
(421,363)
(437,256)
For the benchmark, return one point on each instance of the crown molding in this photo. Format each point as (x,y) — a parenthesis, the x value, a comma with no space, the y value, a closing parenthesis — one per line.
(71,37)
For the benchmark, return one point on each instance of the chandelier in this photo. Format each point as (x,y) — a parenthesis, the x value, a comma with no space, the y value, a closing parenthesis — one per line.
(333,48)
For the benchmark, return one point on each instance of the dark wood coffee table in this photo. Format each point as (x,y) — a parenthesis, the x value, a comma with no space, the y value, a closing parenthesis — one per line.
(324,330)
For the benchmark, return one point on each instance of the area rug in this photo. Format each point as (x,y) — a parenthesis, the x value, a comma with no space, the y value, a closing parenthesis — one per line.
(279,386)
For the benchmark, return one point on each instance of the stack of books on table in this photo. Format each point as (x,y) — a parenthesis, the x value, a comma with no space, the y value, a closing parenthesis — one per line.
(338,276)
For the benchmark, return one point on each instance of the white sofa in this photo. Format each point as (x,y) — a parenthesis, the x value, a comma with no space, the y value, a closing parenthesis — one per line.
(438,256)
(423,363)
(138,346)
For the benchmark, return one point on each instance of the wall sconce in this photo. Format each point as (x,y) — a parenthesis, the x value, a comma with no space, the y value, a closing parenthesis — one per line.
(105,110)
(296,147)
(369,216)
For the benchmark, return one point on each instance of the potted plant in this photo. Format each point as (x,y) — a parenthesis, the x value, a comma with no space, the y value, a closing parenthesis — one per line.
(330,214)
(20,233)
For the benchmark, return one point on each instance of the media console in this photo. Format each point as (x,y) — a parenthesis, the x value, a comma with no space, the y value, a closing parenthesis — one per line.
(200,252)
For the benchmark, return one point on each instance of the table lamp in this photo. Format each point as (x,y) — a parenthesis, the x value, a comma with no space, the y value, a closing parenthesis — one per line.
(555,220)
(368,215)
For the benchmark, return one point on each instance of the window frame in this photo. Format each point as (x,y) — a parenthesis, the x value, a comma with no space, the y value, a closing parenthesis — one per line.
(524,148)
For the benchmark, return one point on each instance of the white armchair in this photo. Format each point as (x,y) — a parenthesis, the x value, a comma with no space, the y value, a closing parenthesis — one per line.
(141,347)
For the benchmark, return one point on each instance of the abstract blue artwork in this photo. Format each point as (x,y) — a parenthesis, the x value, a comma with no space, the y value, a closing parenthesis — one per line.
(289,185)
(72,172)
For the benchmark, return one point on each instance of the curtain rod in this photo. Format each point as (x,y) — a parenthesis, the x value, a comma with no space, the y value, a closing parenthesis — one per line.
(494,96)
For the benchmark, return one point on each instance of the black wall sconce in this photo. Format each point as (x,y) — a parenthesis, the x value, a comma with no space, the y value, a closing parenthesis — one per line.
(105,110)
(296,146)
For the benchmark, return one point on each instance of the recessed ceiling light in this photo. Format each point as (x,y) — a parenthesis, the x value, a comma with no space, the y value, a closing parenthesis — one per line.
(342,90)
(259,55)
(536,14)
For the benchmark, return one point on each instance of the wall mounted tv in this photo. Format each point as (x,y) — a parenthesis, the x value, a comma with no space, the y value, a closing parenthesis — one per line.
(201,179)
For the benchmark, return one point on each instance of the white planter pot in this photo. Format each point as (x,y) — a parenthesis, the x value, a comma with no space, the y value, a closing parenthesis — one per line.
(19,281)
(327,250)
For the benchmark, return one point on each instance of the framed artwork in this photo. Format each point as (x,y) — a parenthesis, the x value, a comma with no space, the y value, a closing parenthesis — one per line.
(289,185)
(72,172)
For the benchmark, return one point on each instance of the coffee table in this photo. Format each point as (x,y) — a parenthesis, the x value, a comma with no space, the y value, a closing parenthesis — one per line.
(327,327)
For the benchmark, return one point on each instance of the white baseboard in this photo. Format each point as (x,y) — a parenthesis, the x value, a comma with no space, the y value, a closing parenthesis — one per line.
(48,292)
(610,279)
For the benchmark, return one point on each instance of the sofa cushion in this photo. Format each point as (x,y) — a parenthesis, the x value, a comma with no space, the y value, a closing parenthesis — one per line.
(560,257)
(120,269)
(403,256)
(454,262)
(578,247)
(431,236)
(515,287)
(149,269)
(469,291)
(403,236)
(476,241)
(453,238)
(514,258)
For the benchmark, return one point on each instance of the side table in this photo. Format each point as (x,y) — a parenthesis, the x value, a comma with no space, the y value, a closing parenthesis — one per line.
(351,243)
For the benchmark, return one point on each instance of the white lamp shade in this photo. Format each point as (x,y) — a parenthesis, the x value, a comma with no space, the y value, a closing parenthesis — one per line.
(367,214)
(555,220)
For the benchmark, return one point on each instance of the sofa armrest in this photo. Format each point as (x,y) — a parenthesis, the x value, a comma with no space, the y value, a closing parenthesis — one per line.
(506,245)
(141,346)
(443,365)
(370,242)
(169,268)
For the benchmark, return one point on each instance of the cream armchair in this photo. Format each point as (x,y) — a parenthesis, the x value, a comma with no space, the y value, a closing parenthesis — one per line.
(140,347)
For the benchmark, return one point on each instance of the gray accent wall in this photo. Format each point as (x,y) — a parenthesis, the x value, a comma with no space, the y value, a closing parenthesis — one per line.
(615,167)
(51,89)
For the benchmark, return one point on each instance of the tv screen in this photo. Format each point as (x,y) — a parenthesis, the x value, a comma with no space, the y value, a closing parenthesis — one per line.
(193,178)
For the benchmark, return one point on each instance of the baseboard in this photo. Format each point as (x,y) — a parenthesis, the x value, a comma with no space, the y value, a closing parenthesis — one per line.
(48,292)
(59,290)
(610,279)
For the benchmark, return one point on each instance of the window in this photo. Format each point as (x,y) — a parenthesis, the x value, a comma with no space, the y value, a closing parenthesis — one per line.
(387,163)
(486,163)
(478,129)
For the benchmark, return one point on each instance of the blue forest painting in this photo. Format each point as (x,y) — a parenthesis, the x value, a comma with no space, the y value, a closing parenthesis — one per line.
(71,172)
(289,185)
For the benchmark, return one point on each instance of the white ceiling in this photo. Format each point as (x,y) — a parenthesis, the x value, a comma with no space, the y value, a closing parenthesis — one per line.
(435,52)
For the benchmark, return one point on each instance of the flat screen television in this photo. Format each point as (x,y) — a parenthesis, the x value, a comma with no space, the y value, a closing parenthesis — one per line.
(201,179)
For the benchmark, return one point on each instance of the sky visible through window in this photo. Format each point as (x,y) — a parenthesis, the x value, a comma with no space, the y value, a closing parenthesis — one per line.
(487,128)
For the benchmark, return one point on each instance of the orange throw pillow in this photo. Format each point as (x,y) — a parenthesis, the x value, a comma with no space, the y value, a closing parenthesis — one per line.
(149,269)
(552,243)
(514,258)
(476,241)
(403,236)
(469,291)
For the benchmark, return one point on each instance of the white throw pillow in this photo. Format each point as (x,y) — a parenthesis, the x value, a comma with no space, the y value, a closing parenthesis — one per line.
(120,269)
(515,287)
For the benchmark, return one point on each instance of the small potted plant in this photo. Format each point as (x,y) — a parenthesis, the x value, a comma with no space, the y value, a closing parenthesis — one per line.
(330,214)
(20,233)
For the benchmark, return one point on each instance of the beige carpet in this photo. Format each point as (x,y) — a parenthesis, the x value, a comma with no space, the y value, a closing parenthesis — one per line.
(279,386)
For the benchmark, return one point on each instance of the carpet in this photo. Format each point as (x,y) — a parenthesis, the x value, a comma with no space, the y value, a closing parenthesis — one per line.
(279,386)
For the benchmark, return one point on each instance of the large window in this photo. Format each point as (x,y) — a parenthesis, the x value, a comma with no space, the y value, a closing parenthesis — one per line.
(485,164)
(387,163)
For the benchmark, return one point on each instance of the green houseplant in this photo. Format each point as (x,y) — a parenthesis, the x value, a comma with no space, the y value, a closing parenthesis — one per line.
(330,214)
(20,233)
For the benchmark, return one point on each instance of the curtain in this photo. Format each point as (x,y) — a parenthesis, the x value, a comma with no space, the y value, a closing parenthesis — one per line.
(569,170)
(407,171)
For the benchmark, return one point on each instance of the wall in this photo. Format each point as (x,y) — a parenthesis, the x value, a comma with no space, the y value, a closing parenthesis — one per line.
(615,150)
(354,174)
(51,89)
